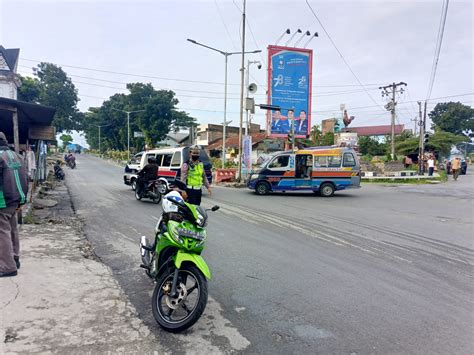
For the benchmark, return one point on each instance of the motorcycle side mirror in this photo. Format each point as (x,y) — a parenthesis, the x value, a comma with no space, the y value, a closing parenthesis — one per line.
(215,208)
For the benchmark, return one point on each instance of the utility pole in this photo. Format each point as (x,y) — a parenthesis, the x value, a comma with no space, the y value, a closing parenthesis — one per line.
(422,140)
(100,126)
(224,125)
(226,56)
(387,91)
(128,126)
(416,124)
(242,74)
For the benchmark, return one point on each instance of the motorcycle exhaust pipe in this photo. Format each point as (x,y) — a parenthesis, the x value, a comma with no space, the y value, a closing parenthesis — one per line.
(143,245)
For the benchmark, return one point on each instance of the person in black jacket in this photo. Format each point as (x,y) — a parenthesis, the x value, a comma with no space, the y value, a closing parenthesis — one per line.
(148,173)
(13,192)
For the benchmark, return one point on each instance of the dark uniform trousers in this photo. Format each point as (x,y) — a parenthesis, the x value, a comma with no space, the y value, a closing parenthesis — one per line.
(9,239)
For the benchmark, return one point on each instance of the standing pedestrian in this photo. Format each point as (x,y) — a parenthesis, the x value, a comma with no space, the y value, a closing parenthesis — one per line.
(456,167)
(194,176)
(431,164)
(13,191)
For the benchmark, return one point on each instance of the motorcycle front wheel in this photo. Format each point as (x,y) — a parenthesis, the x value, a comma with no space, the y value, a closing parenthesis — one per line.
(179,312)
(138,195)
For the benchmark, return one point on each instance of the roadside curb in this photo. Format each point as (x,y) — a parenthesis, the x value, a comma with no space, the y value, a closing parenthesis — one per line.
(64,300)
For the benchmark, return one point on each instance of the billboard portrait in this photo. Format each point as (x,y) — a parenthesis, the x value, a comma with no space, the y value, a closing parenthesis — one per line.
(289,87)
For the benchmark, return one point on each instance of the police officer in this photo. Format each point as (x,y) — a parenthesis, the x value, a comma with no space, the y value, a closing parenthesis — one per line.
(193,175)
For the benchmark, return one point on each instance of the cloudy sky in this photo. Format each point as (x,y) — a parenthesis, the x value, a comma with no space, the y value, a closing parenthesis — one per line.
(382,41)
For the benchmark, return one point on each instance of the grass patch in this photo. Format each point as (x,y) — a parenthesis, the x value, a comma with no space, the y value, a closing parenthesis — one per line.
(405,181)
(30,219)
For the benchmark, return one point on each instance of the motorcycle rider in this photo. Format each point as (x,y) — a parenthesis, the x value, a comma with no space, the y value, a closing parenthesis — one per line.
(148,173)
(194,176)
(71,160)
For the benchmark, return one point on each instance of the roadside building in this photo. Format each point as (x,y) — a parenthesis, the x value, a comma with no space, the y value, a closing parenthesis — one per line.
(210,133)
(27,126)
(174,139)
(378,133)
(259,147)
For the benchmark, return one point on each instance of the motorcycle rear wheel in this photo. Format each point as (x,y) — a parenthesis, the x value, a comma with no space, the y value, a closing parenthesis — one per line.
(156,193)
(175,314)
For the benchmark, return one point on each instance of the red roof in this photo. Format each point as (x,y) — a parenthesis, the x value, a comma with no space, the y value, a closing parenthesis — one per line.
(376,130)
(233,141)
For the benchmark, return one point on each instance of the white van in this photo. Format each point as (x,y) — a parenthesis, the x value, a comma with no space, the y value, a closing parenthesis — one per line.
(170,161)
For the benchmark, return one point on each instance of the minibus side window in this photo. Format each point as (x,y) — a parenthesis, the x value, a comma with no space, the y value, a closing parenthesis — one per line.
(279,162)
(167,159)
(159,158)
(334,161)
(349,160)
(320,161)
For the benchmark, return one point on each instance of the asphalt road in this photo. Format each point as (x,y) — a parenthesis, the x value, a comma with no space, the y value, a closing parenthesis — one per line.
(375,270)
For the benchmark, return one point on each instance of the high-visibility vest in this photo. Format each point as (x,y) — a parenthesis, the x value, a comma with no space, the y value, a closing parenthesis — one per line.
(195,174)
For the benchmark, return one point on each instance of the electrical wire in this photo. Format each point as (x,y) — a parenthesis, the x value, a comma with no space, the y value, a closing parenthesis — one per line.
(159,78)
(322,94)
(225,26)
(136,75)
(439,41)
(342,57)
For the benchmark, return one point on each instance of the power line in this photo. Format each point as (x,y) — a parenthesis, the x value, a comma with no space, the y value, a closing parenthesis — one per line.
(342,57)
(406,102)
(123,82)
(323,94)
(439,41)
(171,79)
(225,26)
(230,37)
(136,75)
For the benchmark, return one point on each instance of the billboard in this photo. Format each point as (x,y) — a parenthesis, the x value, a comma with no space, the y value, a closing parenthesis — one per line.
(289,86)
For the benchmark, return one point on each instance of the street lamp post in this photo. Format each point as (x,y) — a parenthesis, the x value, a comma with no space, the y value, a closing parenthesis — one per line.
(128,127)
(226,55)
(100,126)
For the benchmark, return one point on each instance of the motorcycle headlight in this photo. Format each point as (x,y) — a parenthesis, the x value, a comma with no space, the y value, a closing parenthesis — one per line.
(200,220)
(175,234)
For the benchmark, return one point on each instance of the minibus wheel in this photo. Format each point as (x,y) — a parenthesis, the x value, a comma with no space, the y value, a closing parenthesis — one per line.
(262,188)
(326,189)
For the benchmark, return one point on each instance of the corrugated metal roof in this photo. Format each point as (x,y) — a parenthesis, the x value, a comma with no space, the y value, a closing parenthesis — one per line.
(376,130)
(233,141)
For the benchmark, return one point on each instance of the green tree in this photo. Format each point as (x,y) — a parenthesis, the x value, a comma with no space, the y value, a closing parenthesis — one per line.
(66,139)
(439,142)
(52,87)
(159,116)
(370,146)
(327,139)
(316,135)
(453,117)
(30,89)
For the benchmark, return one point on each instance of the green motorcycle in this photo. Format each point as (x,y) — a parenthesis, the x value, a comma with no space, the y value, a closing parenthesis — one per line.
(174,261)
